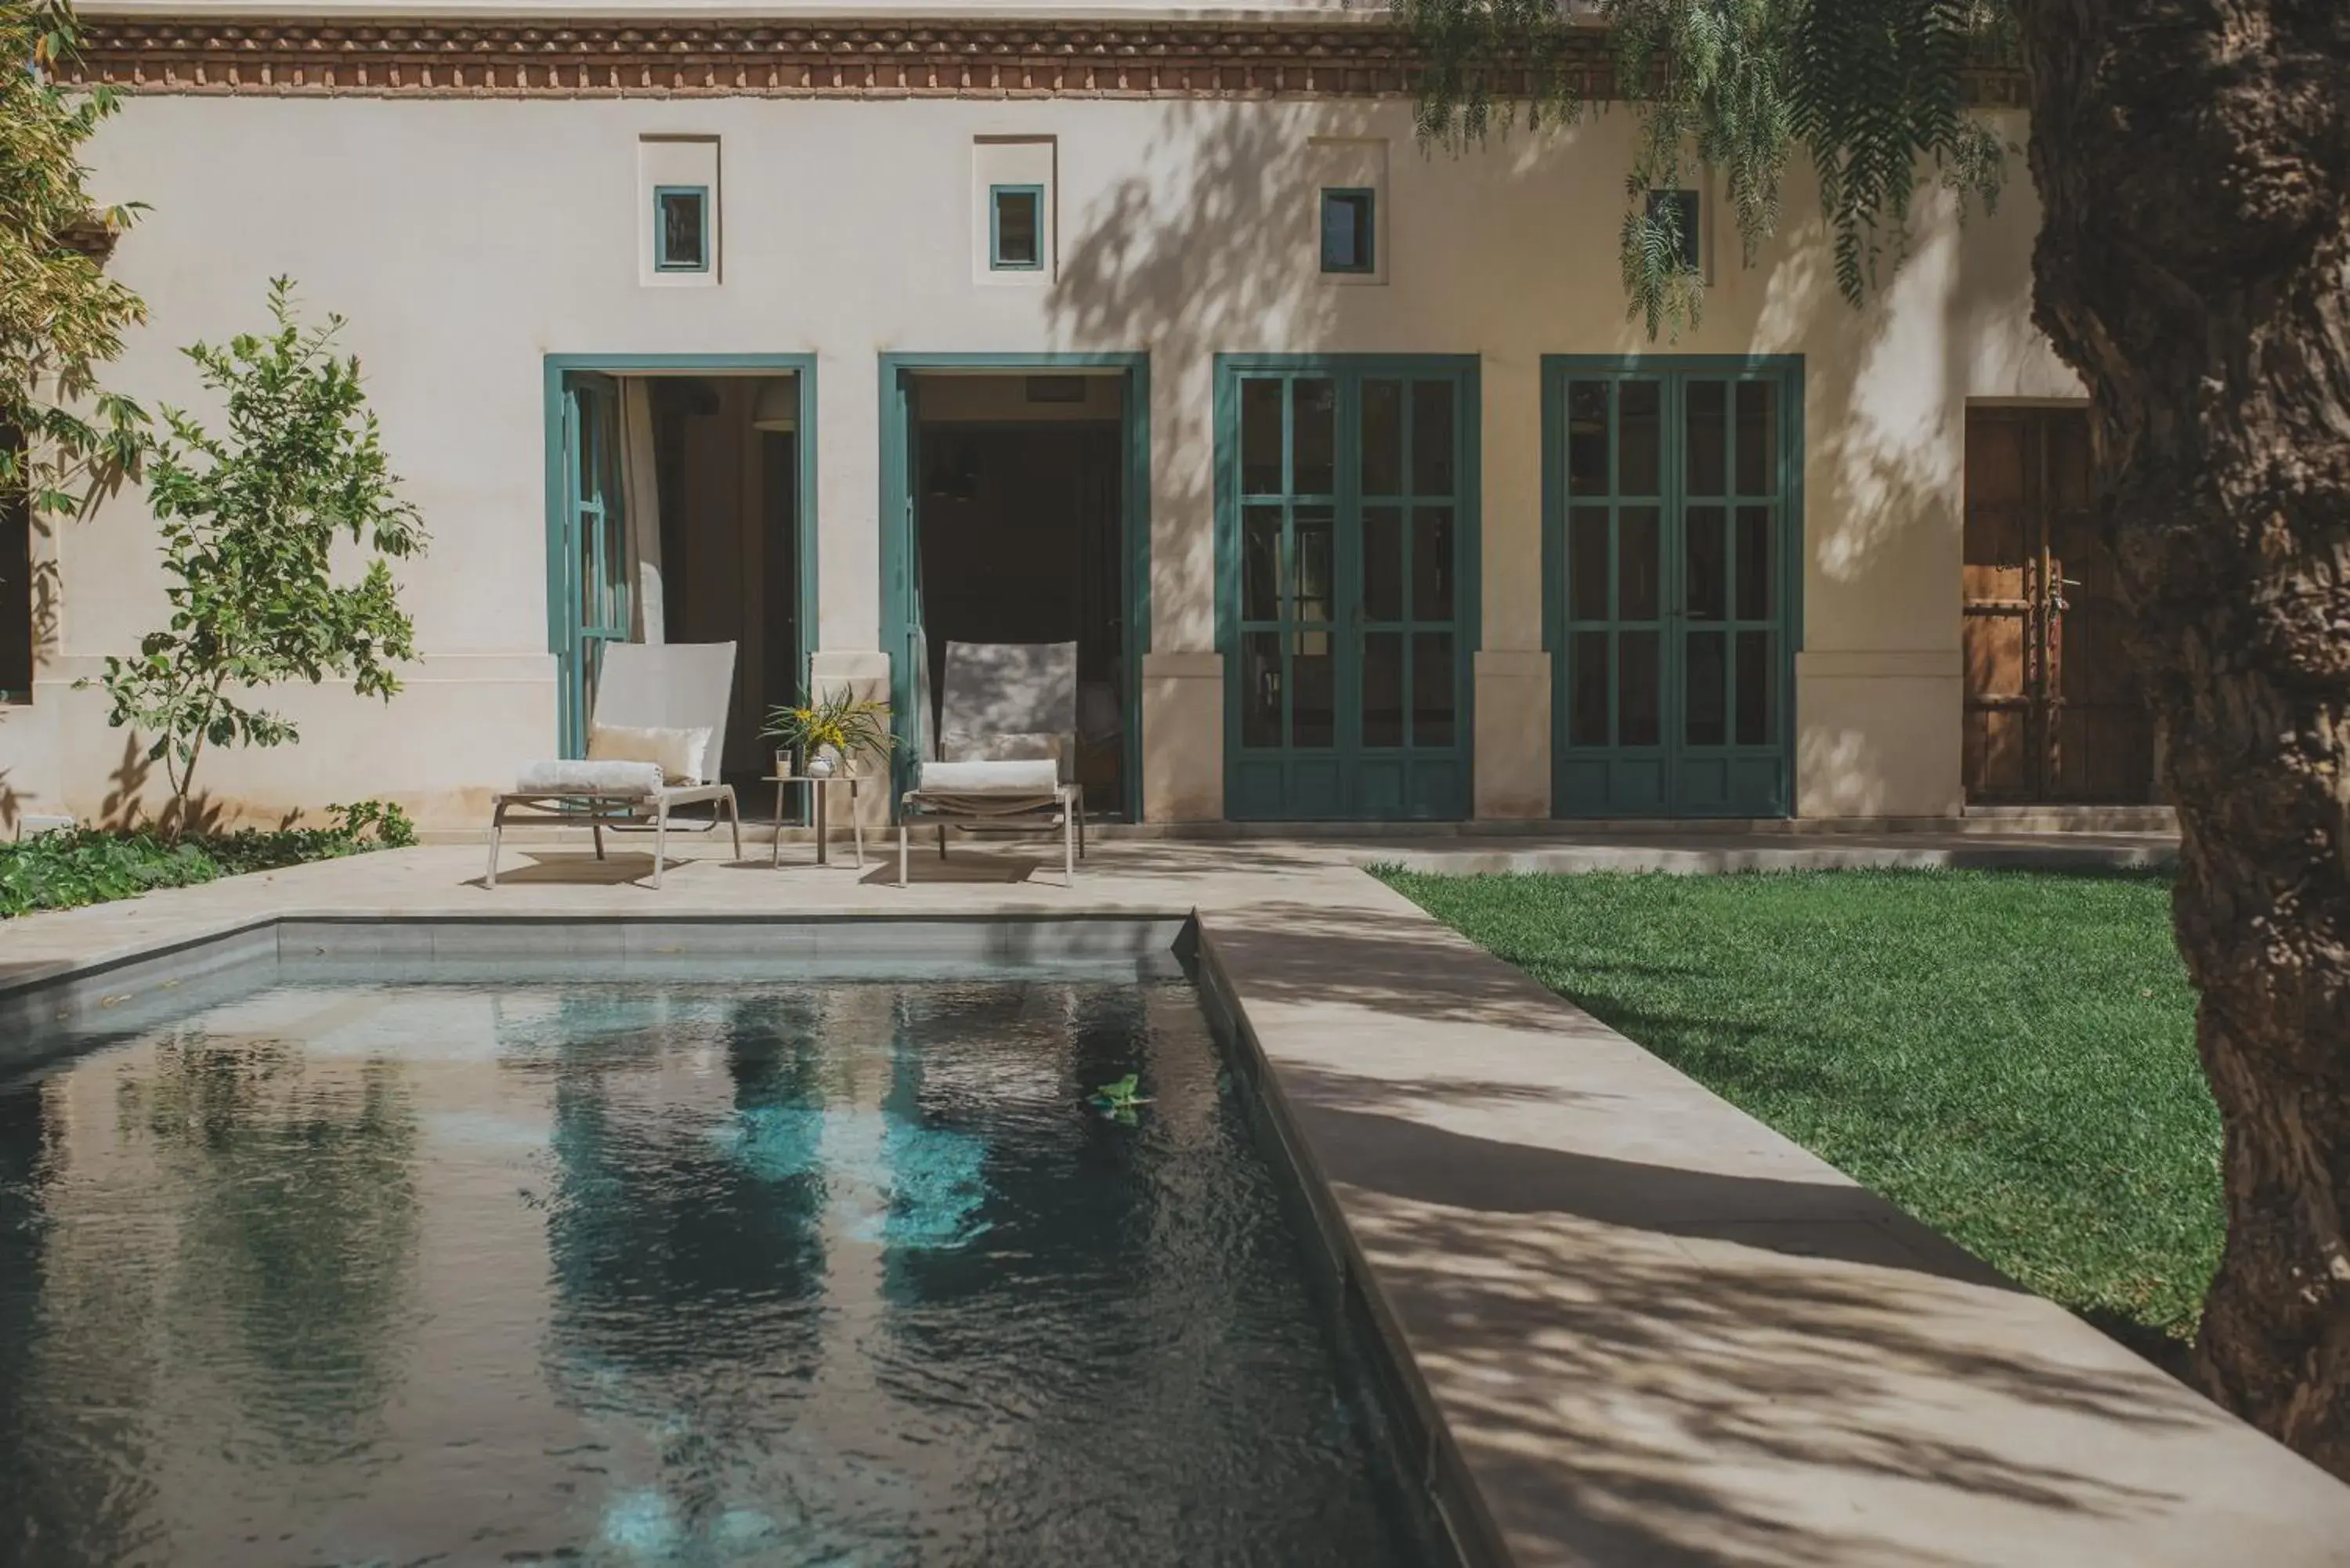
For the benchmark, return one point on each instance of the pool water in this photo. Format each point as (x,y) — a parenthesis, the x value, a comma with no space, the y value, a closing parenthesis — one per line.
(813,1274)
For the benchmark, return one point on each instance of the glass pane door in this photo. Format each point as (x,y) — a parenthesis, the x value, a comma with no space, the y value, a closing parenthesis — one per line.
(596,592)
(1345,549)
(1671,646)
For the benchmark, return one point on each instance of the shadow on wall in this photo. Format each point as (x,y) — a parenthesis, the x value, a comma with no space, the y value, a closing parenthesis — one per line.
(1842,772)
(1185,257)
(124,807)
(1207,247)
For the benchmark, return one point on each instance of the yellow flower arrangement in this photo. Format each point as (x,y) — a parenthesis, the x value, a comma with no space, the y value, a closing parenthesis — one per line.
(846,725)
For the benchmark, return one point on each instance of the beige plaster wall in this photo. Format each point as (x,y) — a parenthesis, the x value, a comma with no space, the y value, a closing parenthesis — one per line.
(467,239)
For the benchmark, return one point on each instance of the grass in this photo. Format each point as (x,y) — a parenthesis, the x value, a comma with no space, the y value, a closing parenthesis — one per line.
(2008,1055)
(95,865)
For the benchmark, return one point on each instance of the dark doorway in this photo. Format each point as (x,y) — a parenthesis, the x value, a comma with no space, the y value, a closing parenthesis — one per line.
(730,488)
(678,513)
(2054,709)
(1019,495)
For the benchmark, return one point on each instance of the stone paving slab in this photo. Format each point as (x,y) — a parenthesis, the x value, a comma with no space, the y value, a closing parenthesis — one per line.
(1657,1333)
(1709,854)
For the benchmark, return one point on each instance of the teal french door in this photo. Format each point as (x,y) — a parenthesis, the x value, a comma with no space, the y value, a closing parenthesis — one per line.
(592,571)
(1672,490)
(1347,544)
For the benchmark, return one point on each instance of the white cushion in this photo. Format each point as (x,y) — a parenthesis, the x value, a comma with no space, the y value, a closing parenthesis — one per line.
(1031,777)
(590,778)
(959,746)
(677,753)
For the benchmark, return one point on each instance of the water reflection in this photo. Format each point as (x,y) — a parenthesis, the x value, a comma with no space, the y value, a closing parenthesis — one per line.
(296,1229)
(626,1274)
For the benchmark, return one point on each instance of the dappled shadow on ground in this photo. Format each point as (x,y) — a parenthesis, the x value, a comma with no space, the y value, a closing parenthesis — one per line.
(1365,1142)
(1626,1401)
(987,865)
(578,868)
(1383,952)
(1661,1334)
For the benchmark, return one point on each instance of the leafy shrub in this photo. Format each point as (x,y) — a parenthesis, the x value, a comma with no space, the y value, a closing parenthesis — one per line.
(94,865)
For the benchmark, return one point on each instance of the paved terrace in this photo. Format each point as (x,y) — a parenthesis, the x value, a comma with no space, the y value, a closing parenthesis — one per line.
(1658,1332)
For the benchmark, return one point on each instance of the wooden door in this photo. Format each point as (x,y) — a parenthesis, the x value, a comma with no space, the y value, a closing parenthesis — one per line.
(2054,711)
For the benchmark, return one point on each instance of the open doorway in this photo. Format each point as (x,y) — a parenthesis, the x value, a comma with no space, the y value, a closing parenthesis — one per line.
(1020,512)
(680,518)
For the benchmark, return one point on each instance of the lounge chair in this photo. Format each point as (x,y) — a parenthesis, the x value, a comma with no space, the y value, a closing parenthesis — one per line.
(1006,748)
(654,741)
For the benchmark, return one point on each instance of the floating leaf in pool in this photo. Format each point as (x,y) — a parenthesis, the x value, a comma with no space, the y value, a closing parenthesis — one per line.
(1118,1100)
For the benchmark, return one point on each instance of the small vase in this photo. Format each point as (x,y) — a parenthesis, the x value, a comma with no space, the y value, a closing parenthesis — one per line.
(822,764)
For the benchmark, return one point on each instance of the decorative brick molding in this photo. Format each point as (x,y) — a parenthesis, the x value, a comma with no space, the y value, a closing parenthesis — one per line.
(297,56)
(515,59)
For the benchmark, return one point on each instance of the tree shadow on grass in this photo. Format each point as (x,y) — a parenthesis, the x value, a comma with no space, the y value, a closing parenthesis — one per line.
(1660,1333)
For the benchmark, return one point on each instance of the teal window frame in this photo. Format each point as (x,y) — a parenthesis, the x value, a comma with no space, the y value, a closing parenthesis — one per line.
(662,262)
(1367,231)
(1692,216)
(1571,796)
(995,258)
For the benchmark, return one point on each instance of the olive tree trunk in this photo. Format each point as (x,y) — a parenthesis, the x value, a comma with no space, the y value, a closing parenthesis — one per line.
(2194,159)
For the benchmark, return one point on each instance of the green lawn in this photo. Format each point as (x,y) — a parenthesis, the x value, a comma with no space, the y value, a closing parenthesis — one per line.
(2009,1055)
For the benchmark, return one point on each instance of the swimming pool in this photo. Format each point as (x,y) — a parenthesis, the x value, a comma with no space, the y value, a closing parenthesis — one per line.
(798,1271)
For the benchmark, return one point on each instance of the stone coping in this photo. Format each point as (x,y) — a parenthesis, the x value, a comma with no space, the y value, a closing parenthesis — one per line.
(1643,1329)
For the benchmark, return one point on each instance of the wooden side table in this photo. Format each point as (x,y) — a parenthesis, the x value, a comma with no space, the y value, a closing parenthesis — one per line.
(816,790)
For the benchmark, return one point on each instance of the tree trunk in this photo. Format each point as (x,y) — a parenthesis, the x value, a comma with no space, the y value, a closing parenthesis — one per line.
(2194,159)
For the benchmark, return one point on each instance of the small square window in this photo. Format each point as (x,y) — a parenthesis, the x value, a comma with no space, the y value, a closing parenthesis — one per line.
(1015,228)
(1350,220)
(1683,206)
(681,228)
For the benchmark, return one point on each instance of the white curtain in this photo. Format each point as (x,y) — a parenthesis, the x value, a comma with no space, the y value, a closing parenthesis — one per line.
(641,485)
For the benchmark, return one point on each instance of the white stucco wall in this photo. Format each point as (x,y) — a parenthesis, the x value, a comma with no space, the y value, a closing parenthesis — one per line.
(467,239)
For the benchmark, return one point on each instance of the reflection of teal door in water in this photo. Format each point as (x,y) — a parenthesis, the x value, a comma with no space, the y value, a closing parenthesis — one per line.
(1673,515)
(1347,544)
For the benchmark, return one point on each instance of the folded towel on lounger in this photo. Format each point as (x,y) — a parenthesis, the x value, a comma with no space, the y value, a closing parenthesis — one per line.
(1035,776)
(590,778)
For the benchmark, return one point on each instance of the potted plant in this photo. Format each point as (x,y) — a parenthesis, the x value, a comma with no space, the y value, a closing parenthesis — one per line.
(821,736)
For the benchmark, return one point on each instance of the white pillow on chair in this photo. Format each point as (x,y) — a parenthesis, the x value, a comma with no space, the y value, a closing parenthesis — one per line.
(679,753)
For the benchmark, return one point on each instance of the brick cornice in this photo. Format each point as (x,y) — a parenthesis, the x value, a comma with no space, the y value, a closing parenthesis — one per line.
(561,58)
(532,57)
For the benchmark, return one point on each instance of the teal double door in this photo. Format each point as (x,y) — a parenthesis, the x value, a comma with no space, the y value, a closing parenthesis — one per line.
(1670,584)
(1347,531)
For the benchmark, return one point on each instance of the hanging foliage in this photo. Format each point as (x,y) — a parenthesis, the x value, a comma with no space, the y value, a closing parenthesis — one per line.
(1873,91)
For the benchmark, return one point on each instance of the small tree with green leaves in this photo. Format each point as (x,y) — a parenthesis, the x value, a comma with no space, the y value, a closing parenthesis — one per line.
(250,523)
(63,441)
